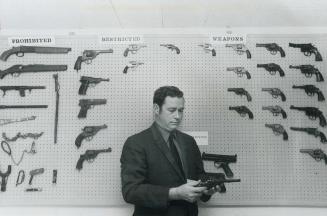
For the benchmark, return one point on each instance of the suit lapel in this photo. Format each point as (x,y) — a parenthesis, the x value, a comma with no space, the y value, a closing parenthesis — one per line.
(162,145)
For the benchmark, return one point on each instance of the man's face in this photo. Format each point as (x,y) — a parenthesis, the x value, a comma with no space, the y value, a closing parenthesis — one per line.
(171,113)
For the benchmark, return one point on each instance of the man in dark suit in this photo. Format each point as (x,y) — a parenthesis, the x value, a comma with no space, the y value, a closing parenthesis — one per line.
(161,166)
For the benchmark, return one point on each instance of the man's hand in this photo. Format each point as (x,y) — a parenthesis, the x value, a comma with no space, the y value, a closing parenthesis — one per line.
(212,190)
(187,192)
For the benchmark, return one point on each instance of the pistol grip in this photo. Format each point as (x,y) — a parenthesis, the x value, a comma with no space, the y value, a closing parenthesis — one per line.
(248,97)
(285,135)
(248,75)
(82,89)
(213,51)
(126,52)
(319,77)
(283,97)
(79,164)
(229,173)
(284,114)
(282,52)
(250,115)
(78,63)
(125,70)
(248,54)
(320,96)
(79,139)
(82,113)
(322,121)
(281,72)
(318,56)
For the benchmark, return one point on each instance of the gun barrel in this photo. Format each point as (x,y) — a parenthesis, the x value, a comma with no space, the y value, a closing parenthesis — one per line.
(266,89)
(105,51)
(262,65)
(306,150)
(234,89)
(295,45)
(298,87)
(267,107)
(261,45)
(219,158)
(47,50)
(294,67)
(232,180)
(298,129)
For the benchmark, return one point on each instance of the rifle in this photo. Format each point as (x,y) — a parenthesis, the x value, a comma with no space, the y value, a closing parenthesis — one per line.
(275,92)
(221,161)
(310,90)
(133,65)
(276,110)
(208,48)
(241,91)
(210,180)
(89,155)
(133,48)
(22,106)
(240,71)
(88,56)
(272,68)
(86,104)
(4,178)
(308,49)
(57,87)
(86,81)
(20,89)
(242,110)
(88,133)
(312,131)
(312,113)
(240,49)
(21,50)
(278,130)
(317,154)
(273,48)
(308,70)
(172,47)
(16,70)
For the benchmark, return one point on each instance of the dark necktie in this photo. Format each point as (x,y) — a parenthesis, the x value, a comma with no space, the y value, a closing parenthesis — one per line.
(174,152)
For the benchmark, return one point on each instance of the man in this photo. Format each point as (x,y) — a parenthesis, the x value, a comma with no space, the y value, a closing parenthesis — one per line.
(161,166)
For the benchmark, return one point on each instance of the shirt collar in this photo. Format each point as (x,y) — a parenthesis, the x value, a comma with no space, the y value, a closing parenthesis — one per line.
(164,133)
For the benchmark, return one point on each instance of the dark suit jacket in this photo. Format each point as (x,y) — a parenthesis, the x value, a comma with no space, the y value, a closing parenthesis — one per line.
(148,170)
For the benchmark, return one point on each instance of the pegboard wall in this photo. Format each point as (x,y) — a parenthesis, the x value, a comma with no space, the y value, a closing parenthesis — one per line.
(272,171)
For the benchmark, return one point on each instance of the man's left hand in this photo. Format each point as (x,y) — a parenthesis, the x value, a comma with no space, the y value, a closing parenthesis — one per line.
(212,190)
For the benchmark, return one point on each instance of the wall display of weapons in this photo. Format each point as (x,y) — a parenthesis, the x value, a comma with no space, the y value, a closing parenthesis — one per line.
(51,145)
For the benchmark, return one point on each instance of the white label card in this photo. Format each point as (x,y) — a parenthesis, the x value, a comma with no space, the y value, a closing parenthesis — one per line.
(201,137)
(121,39)
(31,41)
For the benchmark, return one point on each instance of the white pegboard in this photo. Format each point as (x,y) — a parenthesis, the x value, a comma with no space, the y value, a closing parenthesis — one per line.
(272,171)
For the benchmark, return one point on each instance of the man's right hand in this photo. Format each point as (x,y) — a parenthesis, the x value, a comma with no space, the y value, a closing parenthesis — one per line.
(187,192)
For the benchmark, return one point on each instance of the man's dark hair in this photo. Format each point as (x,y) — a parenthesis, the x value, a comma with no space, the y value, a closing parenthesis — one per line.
(161,93)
